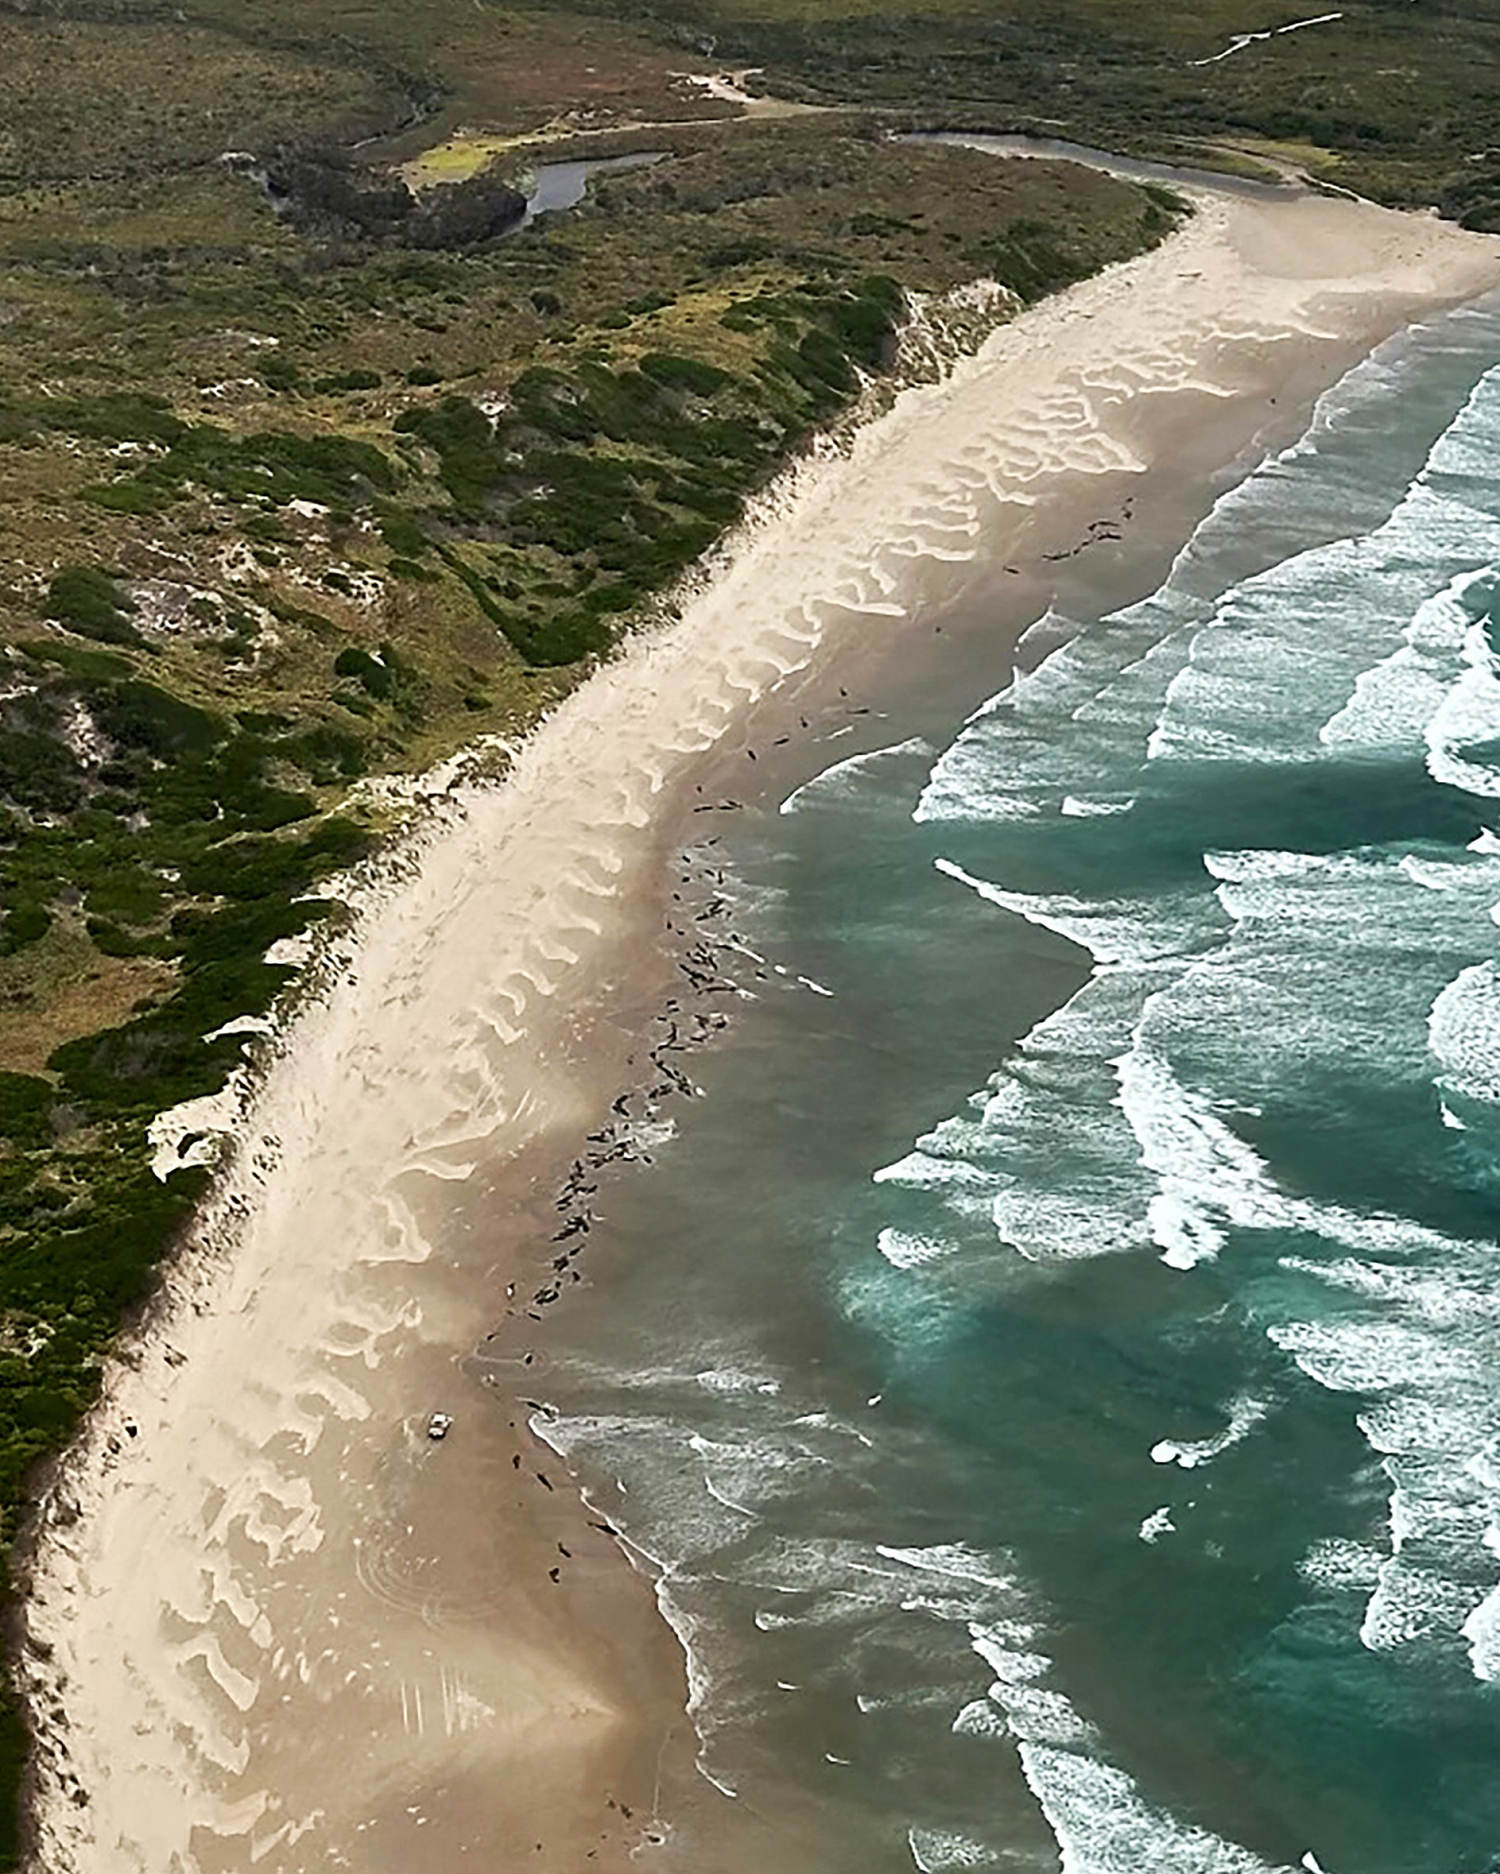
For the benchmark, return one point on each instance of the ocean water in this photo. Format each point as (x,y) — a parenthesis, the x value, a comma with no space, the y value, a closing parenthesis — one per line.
(1056,1366)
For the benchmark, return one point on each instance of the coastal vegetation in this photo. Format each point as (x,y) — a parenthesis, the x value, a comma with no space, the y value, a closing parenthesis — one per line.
(1391,101)
(309,481)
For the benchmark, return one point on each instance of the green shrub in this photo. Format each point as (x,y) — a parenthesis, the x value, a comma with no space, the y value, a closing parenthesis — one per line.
(347,380)
(146,1065)
(25,1109)
(130,496)
(469,463)
(864,322)
(116,416)
(74,659)
(684,373)
(824,362)
(402,534)
(268,868)
(138,715)
(327,755)
(373,675)
(237,934)
(278,373)
(128,894)
(273,466)
(115,941)
(23,924)
(89,602)
(1033,259)
(409,569)
(39,772)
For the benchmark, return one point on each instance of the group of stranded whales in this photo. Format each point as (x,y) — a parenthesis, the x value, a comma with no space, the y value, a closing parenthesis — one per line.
(624,1139)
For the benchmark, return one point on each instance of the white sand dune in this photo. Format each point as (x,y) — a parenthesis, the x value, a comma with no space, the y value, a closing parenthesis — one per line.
(286,1631)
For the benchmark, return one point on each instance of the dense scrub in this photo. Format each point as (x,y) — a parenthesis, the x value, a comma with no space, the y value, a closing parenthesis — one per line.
(1386,99)
(626,474)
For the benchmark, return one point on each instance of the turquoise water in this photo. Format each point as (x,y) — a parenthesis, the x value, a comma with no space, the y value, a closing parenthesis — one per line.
(1057,1365)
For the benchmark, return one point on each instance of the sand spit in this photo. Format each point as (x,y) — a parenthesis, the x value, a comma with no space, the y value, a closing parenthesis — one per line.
(274,1626)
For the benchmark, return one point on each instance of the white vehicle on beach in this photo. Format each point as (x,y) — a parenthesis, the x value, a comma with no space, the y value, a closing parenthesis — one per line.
(439,1425)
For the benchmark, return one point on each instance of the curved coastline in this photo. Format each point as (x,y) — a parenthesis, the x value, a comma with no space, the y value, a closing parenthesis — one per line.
(275,1560)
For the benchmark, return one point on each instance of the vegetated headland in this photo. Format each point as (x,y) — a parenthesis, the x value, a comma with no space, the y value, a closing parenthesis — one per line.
(308,483)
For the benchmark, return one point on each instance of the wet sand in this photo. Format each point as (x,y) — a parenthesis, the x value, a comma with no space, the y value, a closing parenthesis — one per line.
(274,1625)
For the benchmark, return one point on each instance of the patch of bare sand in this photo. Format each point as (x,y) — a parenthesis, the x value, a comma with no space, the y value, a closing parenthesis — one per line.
(275,1626)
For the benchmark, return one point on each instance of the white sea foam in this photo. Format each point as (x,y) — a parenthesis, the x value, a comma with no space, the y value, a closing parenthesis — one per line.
(1067,730)
(1245,1413)
(1440,684)
(688,1627)
(1340,1564)
(1370,1356)
(999,1159)
(1464,1033)
(1103,1826)
(954,1561)
(1482,1627)
(1322,612)
(1343,651)
(924,1170)
(1112,930)
(1207,1176)
(903,1250)
(737,1380)
(1425,1360)
(936,1851)
(1469,715)
(981,1717)
(1231,701)
(1102,1823)
(1075,809)
(845,781)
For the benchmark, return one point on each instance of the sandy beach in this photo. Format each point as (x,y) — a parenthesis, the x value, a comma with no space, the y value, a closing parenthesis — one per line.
(271,1623)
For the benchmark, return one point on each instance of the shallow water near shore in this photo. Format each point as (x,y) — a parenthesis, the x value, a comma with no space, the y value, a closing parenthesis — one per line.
(1055,1368)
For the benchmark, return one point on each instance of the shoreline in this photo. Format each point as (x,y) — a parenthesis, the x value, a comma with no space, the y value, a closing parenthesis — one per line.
(276,1557)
